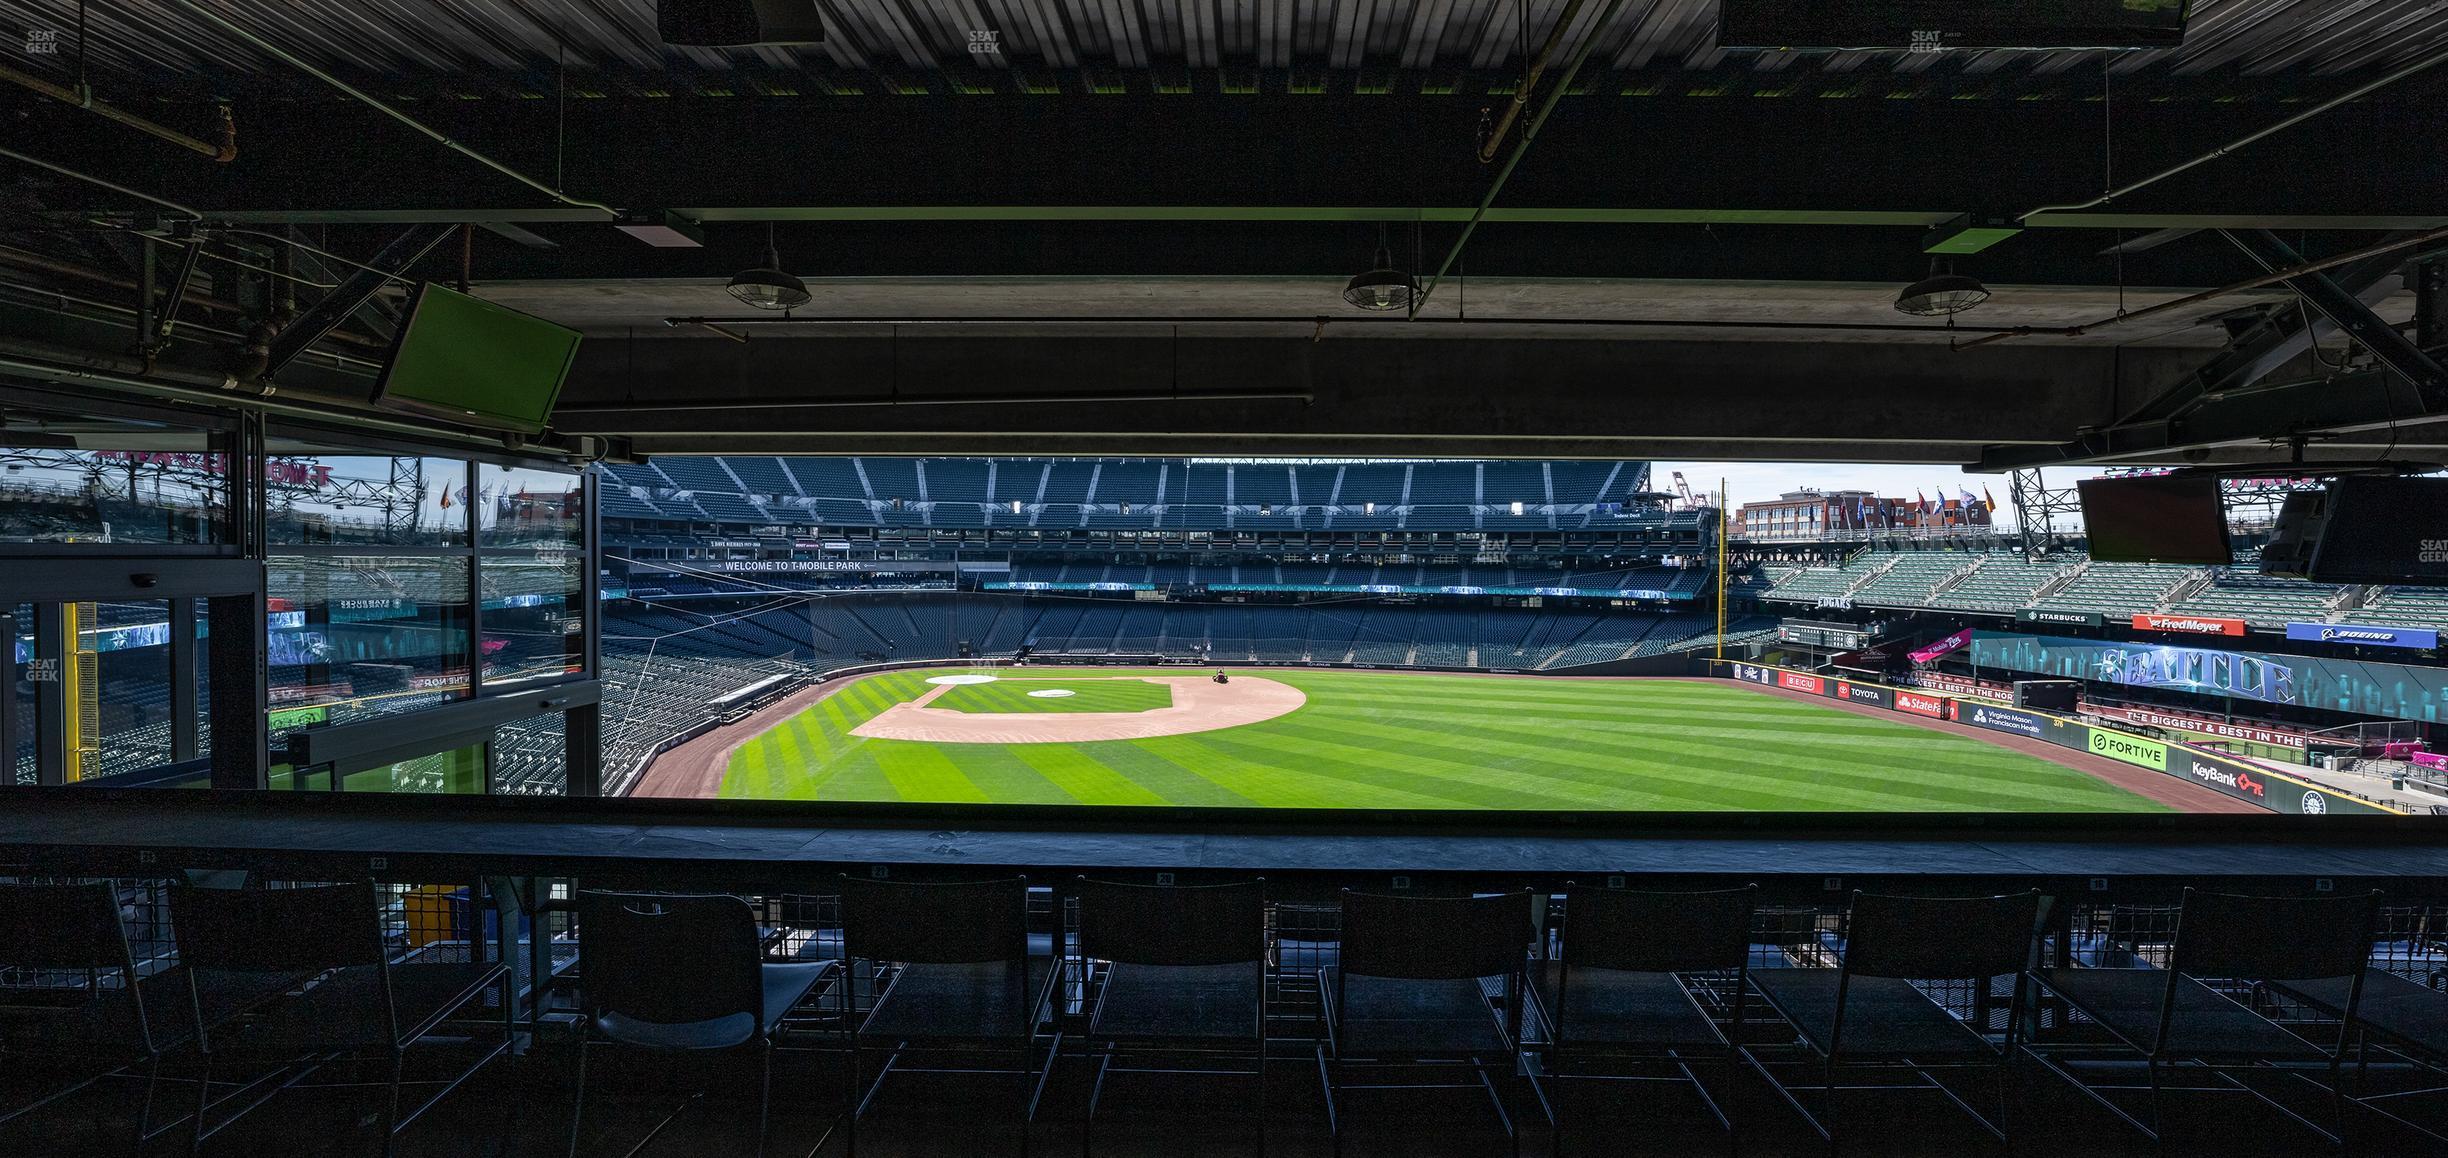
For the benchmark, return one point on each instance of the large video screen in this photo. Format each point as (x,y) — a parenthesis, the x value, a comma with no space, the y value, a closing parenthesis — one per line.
(2156,519)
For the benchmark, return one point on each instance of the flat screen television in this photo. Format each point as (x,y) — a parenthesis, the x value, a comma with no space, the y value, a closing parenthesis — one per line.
(2174,518)
(470,361)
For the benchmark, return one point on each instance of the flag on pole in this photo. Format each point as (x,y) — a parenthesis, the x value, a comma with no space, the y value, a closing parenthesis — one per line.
(1988,499)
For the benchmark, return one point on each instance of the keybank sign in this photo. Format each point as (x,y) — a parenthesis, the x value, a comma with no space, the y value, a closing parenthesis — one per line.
(2133,750)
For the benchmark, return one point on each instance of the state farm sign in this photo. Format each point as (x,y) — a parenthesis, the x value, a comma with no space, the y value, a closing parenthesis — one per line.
(1920,705)
(2189,624)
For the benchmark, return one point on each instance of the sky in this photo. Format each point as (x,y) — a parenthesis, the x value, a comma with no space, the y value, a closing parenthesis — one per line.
(1751,482)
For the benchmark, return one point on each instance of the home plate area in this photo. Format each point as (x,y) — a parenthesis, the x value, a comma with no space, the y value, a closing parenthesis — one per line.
(1178,705)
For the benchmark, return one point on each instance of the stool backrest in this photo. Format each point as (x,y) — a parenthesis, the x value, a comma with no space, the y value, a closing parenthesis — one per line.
(1436,938)
(669,959)
(1657,932)
(63,927)
(927,923)
(1924,938)
(310,928)
(2274,938)
(1172,924)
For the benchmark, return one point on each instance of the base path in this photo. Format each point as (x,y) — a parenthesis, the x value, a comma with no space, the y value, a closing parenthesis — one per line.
(1199,705)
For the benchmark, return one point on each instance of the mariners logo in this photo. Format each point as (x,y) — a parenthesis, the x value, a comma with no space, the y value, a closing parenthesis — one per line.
(2315,804)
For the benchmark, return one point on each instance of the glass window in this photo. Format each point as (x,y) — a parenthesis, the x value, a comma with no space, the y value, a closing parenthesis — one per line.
(314,496)
(365,635)
(21,691)
(529,758)
(521,507)
(534,617)
(460,770)
(119,688)
(97,480)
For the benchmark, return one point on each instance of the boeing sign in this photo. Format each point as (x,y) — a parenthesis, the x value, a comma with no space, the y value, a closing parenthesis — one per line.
(2365,635)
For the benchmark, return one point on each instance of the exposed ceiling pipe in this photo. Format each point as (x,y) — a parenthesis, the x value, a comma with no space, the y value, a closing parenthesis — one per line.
(211,14)
(1521,95)
(2268,279)
(72,367)
(82,97)
(887,400)
(1529,134)
(2349,96)
(90,179)
(1327,320)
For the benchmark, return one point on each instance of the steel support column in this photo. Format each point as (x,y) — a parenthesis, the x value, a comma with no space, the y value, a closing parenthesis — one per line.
(2348,313)
(354,291)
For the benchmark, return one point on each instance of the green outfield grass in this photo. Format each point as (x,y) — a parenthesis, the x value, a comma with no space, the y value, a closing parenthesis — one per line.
(1088,694)
(1394,740)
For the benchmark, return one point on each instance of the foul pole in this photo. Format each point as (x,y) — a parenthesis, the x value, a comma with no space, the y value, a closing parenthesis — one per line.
(1721,557)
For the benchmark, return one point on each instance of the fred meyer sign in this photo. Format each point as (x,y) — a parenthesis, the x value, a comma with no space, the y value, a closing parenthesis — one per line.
(2189,624)
(2362,635)
(2134,750)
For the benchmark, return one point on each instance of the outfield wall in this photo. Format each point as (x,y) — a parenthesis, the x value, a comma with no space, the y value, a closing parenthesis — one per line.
(2247,782)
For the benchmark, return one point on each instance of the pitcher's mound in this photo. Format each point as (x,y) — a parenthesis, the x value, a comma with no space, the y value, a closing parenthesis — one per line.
(1199,705)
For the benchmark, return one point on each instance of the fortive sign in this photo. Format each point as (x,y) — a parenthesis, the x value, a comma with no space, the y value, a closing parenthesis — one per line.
(2365,635)
(2189,624)
(2134,750)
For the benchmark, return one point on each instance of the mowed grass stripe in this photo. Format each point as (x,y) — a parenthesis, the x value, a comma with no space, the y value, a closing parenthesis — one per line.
(1392,740)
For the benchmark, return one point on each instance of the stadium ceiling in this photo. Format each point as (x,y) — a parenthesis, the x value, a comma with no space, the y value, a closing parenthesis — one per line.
(1150,207)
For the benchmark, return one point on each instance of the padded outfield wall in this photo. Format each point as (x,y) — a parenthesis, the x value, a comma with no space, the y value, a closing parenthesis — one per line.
(2247,782)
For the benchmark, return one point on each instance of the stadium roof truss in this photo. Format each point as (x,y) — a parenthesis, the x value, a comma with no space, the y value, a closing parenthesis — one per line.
(1698,259)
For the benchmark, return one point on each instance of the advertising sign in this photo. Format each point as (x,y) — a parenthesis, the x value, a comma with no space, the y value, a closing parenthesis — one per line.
(1935,648)
(2189,624)
(2133,750)
(2268,789)
(1801,683)
(2067,618)
(1956,685)
(2004,720)
(2177,721)
(1753,673)
(2362,635)
(1921,705)
(2364,687)
(1854,693)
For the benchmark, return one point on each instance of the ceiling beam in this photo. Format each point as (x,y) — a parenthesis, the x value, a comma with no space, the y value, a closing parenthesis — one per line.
(1445,214)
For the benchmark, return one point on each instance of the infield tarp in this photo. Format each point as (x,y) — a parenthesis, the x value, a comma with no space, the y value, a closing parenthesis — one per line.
(2403,691)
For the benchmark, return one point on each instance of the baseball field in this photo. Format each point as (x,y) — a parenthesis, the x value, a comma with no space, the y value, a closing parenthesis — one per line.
(1379,740)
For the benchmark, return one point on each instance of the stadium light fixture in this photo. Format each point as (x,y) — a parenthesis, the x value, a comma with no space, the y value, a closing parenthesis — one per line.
(1382,288)
(1941,295)
(767,287)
